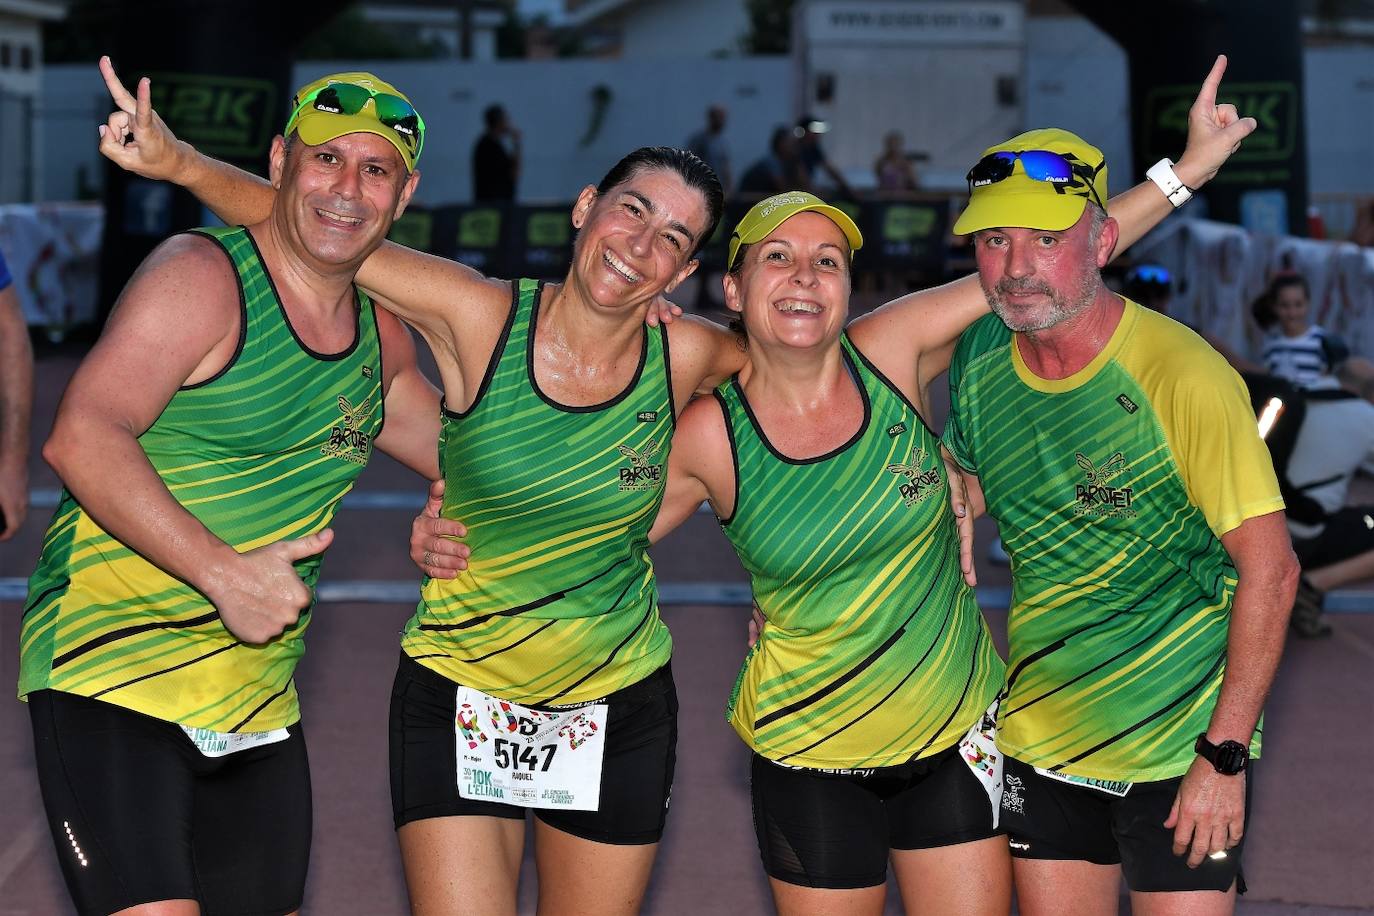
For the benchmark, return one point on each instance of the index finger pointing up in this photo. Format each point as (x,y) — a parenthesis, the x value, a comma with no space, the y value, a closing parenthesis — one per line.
(118,93)
(1207,95)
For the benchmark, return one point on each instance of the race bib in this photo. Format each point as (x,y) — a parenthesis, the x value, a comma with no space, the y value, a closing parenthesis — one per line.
(221,744)
(1111,787)
(535,759)
(979,750)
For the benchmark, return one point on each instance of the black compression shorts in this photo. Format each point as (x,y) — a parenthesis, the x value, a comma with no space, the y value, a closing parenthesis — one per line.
(139,814)
(1348,533)
(835,829)
(636,776)
(1047,818)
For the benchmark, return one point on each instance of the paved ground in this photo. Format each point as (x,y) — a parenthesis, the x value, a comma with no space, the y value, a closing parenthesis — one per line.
(1311,850)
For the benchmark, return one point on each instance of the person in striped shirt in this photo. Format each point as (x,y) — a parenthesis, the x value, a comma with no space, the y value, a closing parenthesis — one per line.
(204,446)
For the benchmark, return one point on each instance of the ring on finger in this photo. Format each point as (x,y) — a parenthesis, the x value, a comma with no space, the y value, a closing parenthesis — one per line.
(428,559)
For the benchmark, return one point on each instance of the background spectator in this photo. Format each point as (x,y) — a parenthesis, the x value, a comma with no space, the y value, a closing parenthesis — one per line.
(496,158)
(1294,348)
(1334,542)
(808,133)
(710,146)
(893,169)
(780,170)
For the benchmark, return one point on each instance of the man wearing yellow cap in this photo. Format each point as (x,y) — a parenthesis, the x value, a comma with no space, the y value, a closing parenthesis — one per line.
(205,444)
(1152,574)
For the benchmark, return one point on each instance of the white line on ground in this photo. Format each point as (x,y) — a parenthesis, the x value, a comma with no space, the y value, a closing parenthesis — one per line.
(716,594)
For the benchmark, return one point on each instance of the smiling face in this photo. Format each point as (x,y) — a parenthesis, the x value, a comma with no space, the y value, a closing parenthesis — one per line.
(793,286)
(339,199)
(636,240)
(1035,278)
(1291,309)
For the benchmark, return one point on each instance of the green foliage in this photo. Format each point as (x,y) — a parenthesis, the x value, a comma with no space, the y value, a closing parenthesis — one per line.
(349,36)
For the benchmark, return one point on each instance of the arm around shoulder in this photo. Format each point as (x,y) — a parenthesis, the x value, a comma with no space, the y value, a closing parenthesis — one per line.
(700,467)
(703,355)
(410,432)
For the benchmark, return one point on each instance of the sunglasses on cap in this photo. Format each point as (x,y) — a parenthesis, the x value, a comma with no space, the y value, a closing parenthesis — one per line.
(1148,273)
(349,99)
(1040,164)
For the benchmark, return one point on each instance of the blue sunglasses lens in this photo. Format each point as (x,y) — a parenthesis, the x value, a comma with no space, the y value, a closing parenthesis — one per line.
(1043,165)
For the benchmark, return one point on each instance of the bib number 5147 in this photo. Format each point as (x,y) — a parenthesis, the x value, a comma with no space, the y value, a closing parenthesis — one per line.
(512,755)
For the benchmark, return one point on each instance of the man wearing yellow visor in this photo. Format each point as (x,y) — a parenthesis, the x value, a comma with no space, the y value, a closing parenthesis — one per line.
(1152,572)
(205,444)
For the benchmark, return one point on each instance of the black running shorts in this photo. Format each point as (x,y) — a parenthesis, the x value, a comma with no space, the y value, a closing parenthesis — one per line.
(139,814)
(636,775)
(1348,532)
(835,829)
(1047,818)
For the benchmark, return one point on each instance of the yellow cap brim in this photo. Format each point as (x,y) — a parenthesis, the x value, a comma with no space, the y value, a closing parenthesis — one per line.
(765,227)
(1020,202)
(316,127)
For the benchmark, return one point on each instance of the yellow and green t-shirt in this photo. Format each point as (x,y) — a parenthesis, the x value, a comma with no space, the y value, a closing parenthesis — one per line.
(875,652)
(558,603)
(261,452)
(1112,489)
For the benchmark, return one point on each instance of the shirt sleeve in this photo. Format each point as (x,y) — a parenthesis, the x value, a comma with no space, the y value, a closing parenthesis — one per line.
(1225,465)
(5,279)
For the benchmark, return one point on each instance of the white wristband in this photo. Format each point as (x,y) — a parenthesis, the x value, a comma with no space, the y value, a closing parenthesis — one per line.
(1162,174)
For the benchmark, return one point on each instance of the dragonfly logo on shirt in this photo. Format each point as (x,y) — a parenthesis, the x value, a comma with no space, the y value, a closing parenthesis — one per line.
(1099,497)
(641,475)
(916,482)
(346,438)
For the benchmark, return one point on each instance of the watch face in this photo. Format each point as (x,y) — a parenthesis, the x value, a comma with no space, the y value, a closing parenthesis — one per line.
(1231,757)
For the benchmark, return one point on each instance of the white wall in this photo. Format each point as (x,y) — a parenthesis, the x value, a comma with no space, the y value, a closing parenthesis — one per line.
(1077,79)
(1338,101)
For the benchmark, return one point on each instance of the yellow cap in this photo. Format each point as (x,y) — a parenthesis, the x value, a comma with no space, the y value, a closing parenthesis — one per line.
(315,127)
(771,212)
(1023,202)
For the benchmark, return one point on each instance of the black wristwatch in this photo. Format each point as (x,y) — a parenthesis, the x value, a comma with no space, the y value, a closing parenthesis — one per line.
(1228,757)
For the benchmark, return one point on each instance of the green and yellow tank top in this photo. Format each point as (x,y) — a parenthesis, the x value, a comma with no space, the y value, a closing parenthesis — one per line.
(875,652)
(261,452)
(1112,488)
(558,603)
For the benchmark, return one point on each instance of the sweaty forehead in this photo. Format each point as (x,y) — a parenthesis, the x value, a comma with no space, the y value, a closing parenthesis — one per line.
(670,196)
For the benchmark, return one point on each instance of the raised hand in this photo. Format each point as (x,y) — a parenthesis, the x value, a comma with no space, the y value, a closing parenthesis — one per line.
(1214,131)
(261,594)
(432,547)
(134,137)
